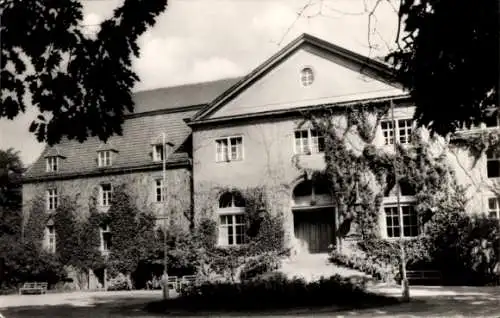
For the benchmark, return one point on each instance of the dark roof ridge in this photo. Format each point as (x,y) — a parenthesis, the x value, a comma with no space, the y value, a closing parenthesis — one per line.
(189,84)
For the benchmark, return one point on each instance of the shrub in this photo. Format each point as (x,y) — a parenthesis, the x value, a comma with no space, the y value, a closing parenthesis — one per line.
(465,248)
(259,255)
(366,264)
(26,262)
(259,265)
(275,291)
(120,282)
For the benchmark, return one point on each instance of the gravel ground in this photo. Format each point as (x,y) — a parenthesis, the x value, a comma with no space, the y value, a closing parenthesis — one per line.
(426,302)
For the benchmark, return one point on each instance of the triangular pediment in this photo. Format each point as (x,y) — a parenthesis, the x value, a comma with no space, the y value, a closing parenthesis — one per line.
(338,76)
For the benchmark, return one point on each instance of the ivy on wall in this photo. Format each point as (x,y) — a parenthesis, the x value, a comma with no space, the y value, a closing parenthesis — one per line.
(36,222)
(477,142)
(265,234)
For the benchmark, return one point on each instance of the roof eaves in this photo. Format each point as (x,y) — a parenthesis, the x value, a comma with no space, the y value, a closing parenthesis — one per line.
(185,162)
(165,111)
(294,111)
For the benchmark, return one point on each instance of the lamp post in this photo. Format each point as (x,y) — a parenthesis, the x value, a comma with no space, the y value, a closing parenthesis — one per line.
(405,288)
(164,215)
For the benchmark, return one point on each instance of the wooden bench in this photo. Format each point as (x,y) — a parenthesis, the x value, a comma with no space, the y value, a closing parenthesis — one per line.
(33,288)
(186,281)
(423,276)
(173,282)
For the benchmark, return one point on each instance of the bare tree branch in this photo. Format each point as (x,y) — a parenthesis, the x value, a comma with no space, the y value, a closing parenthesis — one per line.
(299,15)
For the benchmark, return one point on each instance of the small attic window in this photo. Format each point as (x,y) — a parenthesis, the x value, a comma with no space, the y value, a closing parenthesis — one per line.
(158,152)
(306,76)
(104,158)
(51,164)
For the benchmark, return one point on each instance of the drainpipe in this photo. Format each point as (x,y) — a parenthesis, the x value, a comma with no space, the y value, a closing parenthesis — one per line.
(405,288)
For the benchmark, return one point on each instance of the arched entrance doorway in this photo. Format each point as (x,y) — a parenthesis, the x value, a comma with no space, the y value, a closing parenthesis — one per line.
(313,216)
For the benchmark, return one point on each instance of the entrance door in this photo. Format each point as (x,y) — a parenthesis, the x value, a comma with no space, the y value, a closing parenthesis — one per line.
(315,228)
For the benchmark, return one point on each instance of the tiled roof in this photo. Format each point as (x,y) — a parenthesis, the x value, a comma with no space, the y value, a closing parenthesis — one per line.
(179,96)
(134,148)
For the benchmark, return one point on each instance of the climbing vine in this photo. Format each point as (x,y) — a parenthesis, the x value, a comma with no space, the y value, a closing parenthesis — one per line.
(132,232)
(372,171)
(265,236)
(477,142)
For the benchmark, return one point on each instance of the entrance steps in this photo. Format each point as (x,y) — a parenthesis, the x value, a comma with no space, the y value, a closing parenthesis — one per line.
(312,267)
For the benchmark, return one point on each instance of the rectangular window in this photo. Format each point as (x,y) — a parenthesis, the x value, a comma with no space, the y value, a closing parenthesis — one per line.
(51,238)
(309,141)
(106,192)
(52,164)
(229,149)
(232,229)
(159,190)
(52,199)
(410,221)
(104,158)
(494,208)
(105,239)
(492,164)
(403,131)
(158,152)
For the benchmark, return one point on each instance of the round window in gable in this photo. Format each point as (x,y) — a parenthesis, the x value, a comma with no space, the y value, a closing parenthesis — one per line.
(306,76)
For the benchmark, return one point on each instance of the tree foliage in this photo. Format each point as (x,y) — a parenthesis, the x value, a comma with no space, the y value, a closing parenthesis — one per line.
(81,85)
(132,232)
(449,61)
(11,170)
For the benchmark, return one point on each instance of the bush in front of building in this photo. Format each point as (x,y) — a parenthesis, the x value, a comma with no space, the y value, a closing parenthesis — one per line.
(261,253)
(465,248)
(273,292)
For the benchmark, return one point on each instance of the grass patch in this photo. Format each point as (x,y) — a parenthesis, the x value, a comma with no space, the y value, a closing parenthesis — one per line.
(272,293)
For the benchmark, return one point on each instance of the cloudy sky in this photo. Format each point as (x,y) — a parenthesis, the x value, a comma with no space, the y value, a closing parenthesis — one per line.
(201,40)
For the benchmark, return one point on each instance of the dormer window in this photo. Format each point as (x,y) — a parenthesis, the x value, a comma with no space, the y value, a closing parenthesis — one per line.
(158,152)
(104,158)
(52,164)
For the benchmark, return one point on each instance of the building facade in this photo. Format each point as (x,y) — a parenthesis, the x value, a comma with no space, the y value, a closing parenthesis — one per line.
(230,135)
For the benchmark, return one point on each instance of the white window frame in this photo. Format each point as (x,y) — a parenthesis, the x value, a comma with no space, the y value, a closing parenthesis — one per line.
(226,152)
(232,212)
(104,158)
(103,230)
(404,201)
(50,238)
(159,190)
(52,164)
(158,152)
(396,131)
(492,158)
(52,199)
(105,201)
(307,76)
(494,207)
(312,143)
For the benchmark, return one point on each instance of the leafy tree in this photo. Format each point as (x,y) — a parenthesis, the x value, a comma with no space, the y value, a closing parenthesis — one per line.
(11,170)
(132,233)
(81,85)
(68,232)
(449,61)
